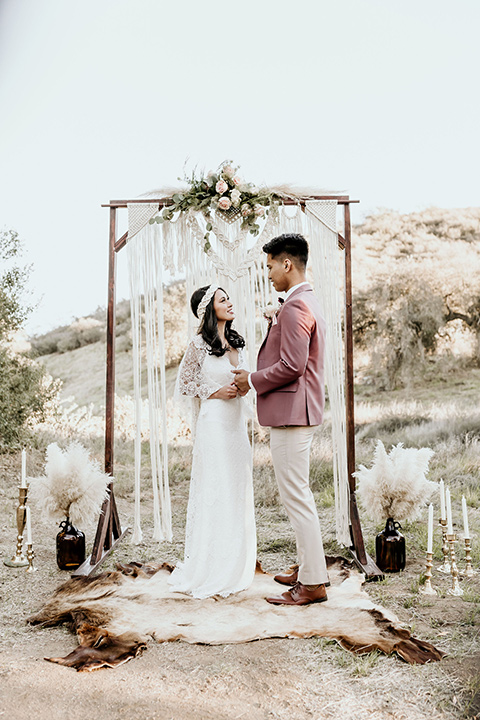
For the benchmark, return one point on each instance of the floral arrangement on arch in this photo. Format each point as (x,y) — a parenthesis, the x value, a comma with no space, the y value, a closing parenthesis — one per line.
(223,191)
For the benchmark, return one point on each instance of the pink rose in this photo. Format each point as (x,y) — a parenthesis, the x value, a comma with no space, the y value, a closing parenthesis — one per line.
(235,195)
(246,210)
(228,171)
(221,187)
(237,180)
(224,203)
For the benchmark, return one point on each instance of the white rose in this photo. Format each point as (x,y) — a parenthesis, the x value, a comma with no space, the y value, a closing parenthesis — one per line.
(235,195)
(221,187)
(228,171)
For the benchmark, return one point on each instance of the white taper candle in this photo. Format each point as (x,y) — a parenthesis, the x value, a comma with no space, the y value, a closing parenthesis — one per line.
(443,513)
(24,469)
(29,527)
(466,531)
(430,529)
(449,512)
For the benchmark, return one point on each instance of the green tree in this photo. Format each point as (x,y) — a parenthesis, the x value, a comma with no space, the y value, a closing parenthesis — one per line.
(398,322)
(413,276)
(25,391)
(13,282)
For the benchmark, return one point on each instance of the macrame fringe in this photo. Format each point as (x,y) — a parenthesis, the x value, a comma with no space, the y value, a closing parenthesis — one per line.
(329,283)
(235,261)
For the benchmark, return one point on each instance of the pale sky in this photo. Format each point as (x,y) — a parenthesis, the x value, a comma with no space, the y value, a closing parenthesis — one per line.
(106,99)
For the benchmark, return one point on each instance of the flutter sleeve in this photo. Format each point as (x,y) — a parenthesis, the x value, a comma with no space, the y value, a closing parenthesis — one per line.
(191,379)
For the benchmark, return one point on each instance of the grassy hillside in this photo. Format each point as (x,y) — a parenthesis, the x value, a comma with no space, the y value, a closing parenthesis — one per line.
(83,373)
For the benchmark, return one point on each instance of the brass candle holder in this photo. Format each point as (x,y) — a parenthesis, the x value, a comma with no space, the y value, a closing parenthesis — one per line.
(30,555)
(427,589)
(19,559)
(455,589)
(445,566)
(469,571)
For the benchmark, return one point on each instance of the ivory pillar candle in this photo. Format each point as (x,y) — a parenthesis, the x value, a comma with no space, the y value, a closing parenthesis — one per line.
(23,483)
(430,529)
(449,512)
(443,513)
(29,527)
(466,531)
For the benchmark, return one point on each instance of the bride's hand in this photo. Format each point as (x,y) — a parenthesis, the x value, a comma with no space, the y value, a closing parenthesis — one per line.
(227,392)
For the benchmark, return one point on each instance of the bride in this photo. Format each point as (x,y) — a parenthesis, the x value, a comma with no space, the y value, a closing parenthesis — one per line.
(220,543)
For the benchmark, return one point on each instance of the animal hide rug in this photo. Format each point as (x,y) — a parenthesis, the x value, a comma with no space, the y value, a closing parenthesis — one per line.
(115,613)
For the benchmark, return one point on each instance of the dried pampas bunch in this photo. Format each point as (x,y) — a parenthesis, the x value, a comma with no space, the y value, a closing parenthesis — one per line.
(73,486)
(395,486)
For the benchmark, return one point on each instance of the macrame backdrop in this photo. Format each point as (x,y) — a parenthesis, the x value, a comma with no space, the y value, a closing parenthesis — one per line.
(236,262)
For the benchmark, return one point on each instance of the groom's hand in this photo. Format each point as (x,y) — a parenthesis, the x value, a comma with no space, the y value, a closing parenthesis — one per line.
(241,381)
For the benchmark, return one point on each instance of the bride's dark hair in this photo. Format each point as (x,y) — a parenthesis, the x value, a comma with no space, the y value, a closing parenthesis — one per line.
(209,327)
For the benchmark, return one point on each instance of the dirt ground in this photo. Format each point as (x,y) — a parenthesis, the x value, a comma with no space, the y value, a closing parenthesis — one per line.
(280,679)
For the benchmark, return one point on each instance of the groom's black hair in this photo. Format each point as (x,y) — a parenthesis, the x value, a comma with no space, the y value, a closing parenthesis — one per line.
(292,245)
(209,328)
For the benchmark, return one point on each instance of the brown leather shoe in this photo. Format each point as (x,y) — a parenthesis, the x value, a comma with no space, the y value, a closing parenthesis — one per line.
(292,578)
(300,595)
(288,578)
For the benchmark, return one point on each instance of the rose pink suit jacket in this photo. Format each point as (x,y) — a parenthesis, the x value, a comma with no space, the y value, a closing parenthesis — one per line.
(290,368)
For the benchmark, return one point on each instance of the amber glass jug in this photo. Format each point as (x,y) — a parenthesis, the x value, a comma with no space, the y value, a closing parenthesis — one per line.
(390,548)
(70,546)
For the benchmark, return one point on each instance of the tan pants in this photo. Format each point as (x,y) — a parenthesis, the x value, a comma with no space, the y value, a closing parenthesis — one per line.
(290,447)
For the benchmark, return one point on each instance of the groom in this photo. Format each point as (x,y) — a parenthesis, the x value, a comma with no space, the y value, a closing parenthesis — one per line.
(290,399)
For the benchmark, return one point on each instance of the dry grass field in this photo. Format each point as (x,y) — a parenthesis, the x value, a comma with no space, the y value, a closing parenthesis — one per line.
(282,679)
(411,273)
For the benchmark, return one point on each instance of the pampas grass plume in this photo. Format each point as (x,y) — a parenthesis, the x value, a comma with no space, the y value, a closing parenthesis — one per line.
(395,486)
(73,486)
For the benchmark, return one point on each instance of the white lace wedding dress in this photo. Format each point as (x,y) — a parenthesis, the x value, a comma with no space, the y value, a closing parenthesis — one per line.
(220,543)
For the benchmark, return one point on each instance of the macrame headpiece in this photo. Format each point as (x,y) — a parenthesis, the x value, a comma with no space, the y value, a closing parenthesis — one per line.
(202,306)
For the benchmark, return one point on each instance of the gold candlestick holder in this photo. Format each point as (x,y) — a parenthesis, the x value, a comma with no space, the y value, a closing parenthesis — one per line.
(445,566)
(427,589)
(455,589)
(19,559)
(469,571)
(30,555)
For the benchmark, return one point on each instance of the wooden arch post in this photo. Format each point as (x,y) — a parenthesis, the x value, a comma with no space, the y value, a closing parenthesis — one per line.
(109,532)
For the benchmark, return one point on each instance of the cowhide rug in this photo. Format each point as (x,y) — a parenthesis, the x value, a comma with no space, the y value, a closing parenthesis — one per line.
(115,613)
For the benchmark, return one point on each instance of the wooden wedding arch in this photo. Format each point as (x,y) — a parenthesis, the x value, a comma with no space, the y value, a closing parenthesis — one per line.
(109,531)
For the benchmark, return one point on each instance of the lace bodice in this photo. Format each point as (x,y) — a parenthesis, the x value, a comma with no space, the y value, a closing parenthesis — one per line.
(201,374)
